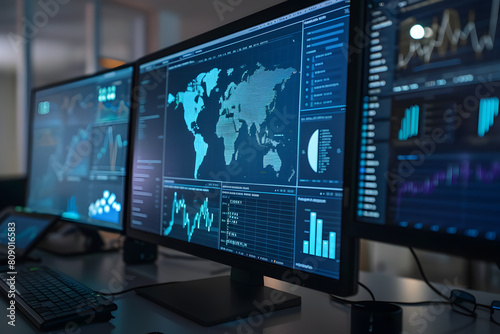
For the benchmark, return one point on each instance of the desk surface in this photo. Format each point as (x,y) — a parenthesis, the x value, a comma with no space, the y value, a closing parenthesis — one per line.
(317,314)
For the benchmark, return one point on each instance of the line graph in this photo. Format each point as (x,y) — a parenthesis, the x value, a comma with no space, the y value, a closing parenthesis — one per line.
(77,159)
(179,205)
(77,101)
(450,190)
(112,152)
(448,35)
(455,174)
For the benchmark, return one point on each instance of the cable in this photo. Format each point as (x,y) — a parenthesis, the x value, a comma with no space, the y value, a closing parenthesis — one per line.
(128,290)
(350,302)
(422,303)
(424,277)
(342,300)
(367,289)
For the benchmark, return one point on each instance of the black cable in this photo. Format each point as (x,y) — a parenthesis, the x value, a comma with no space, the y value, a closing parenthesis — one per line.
(422,303)
(367,289)
(128,290)
(350,302)
(424,277)
(342,300)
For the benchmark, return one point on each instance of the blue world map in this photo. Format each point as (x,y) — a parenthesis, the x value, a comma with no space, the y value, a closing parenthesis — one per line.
(242,103)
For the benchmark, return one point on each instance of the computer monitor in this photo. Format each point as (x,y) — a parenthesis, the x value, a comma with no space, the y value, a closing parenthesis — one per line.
(429,158)
(238,151)
(78,149)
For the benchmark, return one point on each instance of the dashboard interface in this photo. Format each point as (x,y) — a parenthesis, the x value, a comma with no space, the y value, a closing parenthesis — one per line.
(430,127)
(239,142)
(78,148)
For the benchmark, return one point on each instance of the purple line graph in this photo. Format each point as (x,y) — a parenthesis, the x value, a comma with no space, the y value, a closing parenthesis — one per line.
(455,174)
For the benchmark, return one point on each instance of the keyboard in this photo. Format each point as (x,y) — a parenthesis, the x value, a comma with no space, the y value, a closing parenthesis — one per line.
(52,300)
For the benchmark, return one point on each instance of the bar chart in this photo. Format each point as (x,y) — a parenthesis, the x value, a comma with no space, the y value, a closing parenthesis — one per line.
(409,123)
(318,244)
(488,111)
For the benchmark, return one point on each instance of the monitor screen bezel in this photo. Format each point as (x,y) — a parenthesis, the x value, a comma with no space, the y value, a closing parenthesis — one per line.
(456,245)
(347,282)
(29,159)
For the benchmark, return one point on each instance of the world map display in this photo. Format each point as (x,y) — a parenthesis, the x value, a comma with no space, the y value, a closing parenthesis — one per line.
(235,118)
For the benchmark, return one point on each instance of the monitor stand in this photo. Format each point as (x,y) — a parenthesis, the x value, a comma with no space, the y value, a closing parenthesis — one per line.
(69,239)
(216,300)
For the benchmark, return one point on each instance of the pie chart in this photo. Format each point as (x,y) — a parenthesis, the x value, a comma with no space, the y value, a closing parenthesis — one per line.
(312,151)
(320,143)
